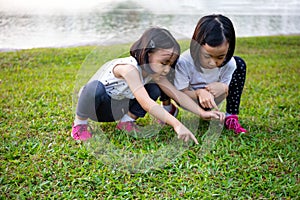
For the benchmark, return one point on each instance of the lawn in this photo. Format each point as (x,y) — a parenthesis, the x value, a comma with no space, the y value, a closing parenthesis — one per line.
(40,160)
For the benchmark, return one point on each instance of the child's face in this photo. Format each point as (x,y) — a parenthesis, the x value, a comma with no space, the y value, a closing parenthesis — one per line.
(212,57)
(161,61)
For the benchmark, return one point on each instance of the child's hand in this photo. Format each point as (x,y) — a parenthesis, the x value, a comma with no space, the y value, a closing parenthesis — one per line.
(185,134)
(206,99)
(208,115)
(217,89)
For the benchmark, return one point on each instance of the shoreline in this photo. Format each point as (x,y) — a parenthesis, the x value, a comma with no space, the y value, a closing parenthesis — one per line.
(4,50)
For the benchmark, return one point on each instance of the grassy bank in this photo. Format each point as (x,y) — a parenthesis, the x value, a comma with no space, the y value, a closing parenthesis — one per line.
(39,159)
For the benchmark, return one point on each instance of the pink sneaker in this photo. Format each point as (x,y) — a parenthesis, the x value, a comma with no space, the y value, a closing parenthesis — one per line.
(174,111)
(80,132)
(127,126)
(232,123)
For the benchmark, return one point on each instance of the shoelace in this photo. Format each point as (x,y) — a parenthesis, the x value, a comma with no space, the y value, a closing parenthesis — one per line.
(81,129)
(132,126)
(233,124)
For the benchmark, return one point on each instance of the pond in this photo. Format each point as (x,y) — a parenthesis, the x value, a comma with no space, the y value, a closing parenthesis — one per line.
(54,23)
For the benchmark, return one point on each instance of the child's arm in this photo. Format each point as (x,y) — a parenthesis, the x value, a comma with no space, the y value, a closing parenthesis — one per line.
(131,75)
(186,102)
(217,89)
(206,96)
(203,95)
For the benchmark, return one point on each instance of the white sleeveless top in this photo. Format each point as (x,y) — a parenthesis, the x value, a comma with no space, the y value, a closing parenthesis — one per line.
(118,88)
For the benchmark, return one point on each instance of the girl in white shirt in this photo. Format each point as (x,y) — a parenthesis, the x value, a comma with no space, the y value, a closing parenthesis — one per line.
(126,88)
(208,72)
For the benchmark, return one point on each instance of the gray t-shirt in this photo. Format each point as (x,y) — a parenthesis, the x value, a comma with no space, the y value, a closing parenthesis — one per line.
(186,75)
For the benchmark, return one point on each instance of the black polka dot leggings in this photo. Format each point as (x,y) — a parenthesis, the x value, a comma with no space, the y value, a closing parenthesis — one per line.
(236,87)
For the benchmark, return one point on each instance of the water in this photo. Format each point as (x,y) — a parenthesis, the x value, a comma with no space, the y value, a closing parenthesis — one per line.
(54,23)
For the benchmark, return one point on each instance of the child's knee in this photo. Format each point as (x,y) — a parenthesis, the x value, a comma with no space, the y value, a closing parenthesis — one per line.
(240,63)
(153,91)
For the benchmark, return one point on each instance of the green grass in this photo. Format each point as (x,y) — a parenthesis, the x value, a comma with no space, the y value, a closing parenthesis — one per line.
(39,159)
